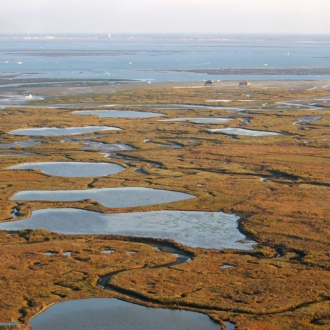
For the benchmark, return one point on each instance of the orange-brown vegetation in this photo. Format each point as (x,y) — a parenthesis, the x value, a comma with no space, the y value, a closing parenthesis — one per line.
(284,283)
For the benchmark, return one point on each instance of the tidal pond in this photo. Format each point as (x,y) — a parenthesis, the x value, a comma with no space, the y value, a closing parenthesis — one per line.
(140,171)
(242,131)
(22,144)
(298,105)
(72,169)
(105,146)
(165,106)
(226,267)
(11,99)
(100,146)
(49,253)
(208,120)
(114,314)
(54,131)
(214,230)
(307,120)
(108,251)
(219,100)
(109,197)
(118,113)
(229,326)
(17,154)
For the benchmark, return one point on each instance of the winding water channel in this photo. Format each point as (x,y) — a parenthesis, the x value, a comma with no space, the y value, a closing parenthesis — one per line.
(115,314)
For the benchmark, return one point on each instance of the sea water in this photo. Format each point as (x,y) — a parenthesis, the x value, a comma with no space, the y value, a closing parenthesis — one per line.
(152,57)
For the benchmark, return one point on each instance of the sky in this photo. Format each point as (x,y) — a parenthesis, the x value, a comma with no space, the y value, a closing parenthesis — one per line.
(164,16)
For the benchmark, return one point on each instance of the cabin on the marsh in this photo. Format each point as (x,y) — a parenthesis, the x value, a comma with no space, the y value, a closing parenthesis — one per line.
(209,83)
(244,83)
(9,325)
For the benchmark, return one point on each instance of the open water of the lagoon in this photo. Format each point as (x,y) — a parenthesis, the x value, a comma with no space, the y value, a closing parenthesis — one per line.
(215,230)
(152,57)
(114,314)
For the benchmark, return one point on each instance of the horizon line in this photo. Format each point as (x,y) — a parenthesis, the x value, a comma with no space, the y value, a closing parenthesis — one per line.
(162,33)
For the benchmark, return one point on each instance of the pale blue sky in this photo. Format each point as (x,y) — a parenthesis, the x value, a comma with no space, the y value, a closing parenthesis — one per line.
(194,16)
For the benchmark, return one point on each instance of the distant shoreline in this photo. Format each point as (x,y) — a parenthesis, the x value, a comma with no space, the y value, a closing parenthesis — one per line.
(57,88)
(299,71)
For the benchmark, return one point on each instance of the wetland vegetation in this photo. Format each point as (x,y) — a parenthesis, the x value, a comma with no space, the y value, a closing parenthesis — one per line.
(282,283)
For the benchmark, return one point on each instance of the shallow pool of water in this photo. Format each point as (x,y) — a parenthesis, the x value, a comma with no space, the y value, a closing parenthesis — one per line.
(108,251)
(140,171)
(17,154)
(242,131)
(164,106)
(100,146)
(229,326)
(209,120)
(219,100)
(196,229)
(114,314)
(226,267)
(118,113)
(109,197)
(54,131)
(105,146)
(307,120)
(49,253)
(72,169)
(11,99)
(22,144)
(15,213)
